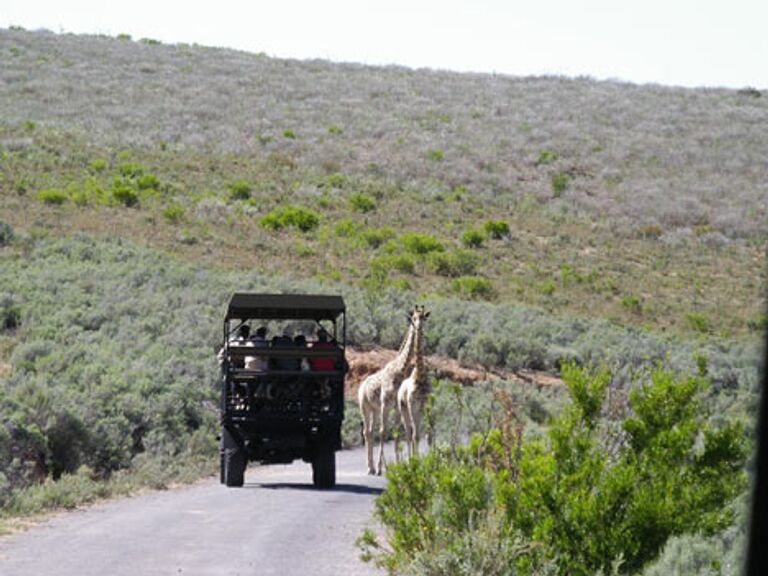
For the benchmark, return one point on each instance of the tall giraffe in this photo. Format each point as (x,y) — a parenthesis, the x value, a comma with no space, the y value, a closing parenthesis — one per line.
(378,392)
(413,393)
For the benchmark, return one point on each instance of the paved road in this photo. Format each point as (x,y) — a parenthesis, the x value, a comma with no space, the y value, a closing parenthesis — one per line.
(276,524)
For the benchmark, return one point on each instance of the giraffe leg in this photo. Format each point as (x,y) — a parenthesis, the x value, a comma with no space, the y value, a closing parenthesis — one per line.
(367,416)
(408,425)
(369,428)
(416,423)
(401,409)
(382,437)
(396,434)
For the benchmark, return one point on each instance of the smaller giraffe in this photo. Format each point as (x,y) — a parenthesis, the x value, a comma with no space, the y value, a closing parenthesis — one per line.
(413,393)
(378,393)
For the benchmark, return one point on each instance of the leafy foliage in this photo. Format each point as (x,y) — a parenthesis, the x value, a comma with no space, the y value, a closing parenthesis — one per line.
(606,489)
(305,219)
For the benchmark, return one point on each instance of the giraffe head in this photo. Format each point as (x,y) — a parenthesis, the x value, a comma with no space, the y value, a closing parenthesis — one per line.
(417,316)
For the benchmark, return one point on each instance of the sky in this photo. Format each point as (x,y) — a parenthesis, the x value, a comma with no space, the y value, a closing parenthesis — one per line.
(715,43)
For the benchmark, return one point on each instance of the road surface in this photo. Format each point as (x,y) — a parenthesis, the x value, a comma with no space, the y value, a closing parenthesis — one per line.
(276,524)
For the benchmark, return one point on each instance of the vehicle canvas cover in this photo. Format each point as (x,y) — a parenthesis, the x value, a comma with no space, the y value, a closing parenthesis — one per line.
(285,306)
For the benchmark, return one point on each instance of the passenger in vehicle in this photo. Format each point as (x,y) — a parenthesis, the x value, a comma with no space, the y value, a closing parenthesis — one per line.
(240,339)
(283,342)
(258,340)
(323,341)
(300,341)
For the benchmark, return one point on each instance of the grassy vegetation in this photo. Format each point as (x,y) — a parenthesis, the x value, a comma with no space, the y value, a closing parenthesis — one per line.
(602,491)
(249,210)
(660,193)
(545,221)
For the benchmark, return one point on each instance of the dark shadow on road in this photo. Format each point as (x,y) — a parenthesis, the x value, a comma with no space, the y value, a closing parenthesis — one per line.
(349,488)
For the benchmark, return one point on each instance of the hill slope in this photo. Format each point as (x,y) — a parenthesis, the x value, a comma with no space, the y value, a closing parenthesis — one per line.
(643,204)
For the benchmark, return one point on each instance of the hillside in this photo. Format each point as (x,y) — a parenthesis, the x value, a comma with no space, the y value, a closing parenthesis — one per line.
(543,221)
(642,204)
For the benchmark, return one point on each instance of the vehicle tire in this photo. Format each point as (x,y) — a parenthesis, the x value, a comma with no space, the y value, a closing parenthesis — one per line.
(232,461)
(222,467)
(324,468)
(234,468)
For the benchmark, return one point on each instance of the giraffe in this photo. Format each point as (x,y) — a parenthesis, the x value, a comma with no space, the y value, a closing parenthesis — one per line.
(378,392)
(413,394)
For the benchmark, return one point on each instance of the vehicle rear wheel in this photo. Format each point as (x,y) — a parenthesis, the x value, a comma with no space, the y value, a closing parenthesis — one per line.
(233,461)
(324,468)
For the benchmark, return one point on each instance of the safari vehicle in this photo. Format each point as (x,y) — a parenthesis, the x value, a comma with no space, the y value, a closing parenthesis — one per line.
(292,404)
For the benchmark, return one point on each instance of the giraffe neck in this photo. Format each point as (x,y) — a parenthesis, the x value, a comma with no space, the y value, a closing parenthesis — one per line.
(406,348)
(418,350)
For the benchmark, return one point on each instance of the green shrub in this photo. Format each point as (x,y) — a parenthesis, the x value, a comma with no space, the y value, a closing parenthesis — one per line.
(333,129)
(756,324)
(472,238)
(240,189)
(124,192)
(547,157)
(98,165)
(698,322)
(6,233)
(131,169)
(375,237)
(473,287)
(400,262)
(632,303)
(452,264)
(560,183)
(10,314)
(124,36)
(305,219)
(346,228)
(436,155)
(601,492)
(147,182)
(288,133)
(53,196)
(174,213)
(420,243)
(362,202)
(496,229)
(335,180)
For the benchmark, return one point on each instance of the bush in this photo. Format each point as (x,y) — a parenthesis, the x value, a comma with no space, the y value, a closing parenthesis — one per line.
(473,287)
(496,229)
(147,182)
(452,264)
(560,183)
(131,169)
(10,314)
(305,219)
(473,238)
(53,196)
(240,189)
(97,165)
(547,157)
(362,202)
(174,213)
(346,228)
(400,262)
(606,487)
(123,192)
(698,322)
(420,243)
(375,237)
(6,233)
(632,303)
